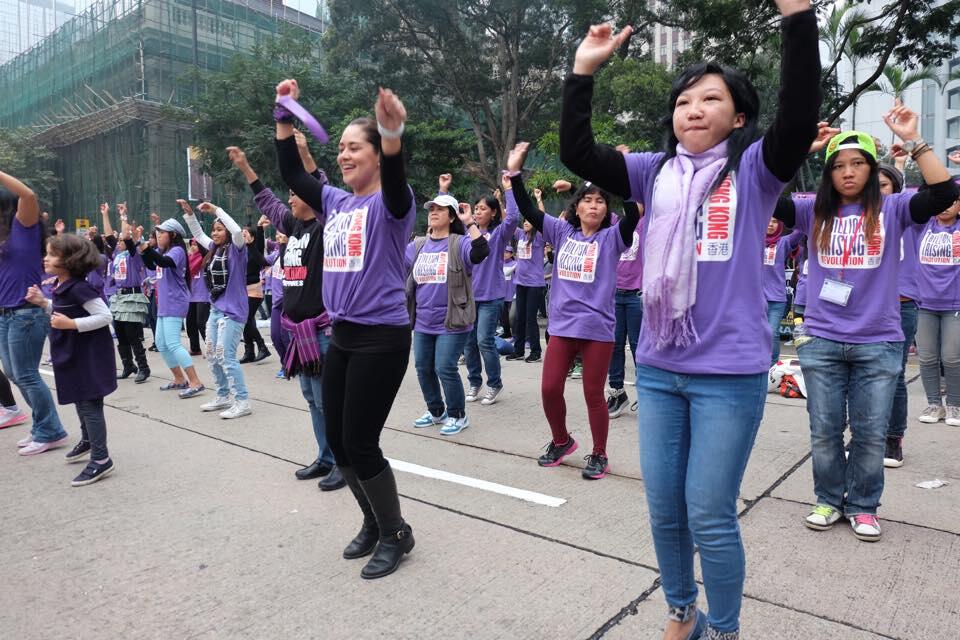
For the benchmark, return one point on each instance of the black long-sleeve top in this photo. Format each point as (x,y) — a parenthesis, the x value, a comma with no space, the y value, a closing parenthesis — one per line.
(255,259)
(153,259)
(627,224)
(785,144)
(393,179)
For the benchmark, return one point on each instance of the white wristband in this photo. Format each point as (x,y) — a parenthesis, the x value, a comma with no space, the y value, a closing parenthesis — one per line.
(390,134)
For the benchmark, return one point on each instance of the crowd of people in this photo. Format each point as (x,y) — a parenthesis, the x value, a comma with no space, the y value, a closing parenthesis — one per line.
(689,272)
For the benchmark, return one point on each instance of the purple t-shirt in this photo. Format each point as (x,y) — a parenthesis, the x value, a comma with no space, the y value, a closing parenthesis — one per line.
(800,295)
(109,286)
(510,280)
(363,266)
(233,301)
(128,269)
(730,314)
(529,256)
(430,274)
(872,311)
(630,267)
(198,288)
(909,252)
(938,273)
(173,300)
(582,296)
(21,263)
(276,278)
(488,282)
(775,266)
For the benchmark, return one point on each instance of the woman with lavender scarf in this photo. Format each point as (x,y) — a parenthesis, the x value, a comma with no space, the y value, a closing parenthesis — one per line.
(705,342)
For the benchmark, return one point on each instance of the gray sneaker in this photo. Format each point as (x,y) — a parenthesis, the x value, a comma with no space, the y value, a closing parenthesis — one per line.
(491,395)
(473,394)
(932,414)
(953,416)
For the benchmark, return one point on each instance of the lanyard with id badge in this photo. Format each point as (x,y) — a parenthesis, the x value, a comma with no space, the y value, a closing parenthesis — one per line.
(837,291)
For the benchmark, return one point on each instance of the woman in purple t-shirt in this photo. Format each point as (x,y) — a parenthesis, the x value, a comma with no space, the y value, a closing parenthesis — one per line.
(704,347)
(531,286)
(853,315)
(23,326)
(436,344)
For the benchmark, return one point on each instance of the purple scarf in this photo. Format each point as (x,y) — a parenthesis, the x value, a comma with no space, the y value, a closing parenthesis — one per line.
(670,252)
(304,355)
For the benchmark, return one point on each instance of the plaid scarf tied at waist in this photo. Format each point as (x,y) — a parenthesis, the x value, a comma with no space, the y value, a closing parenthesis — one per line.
(304,354)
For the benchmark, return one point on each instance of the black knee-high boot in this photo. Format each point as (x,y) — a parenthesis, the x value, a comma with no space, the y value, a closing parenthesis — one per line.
(126,358)
(365,541)
(396,536)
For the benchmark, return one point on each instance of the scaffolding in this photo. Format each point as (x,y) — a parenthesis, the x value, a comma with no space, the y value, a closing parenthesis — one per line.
(102,89)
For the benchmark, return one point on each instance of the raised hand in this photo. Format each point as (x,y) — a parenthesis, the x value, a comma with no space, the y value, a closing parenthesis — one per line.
(518,156)
(561,186)
(538,194)
(185,207)
(237,157)
(790,7)
(298,136)
(104,209)
(902,121)
(445,181)
(154,218)
(505,183)
(824,133)
(206,207)
(289,88)
(622,148)
(597,48)
(137,234)
(281,238)
(264,221)
(465,213)
(391,114)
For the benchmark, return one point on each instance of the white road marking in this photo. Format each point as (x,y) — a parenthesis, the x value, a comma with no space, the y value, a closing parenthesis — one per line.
(466,481)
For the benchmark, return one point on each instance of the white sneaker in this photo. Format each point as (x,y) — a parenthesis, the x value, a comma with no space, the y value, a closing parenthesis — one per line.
(218,403)
(866,527)
(491,396)
(822,517)
(239,408)
(35,448)
(953,416)
(473,393)
(24,442)
(933,414)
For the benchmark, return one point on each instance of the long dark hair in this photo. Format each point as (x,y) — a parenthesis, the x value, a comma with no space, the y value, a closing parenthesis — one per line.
(214,248)
(176,240)
(828,203)
(585,190)
(494,205)
(8,209)
(745,101)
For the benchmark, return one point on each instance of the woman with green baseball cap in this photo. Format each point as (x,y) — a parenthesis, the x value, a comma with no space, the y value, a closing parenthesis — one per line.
(853,314)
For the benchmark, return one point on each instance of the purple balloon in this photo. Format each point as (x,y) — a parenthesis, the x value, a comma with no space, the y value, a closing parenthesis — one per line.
(305,117)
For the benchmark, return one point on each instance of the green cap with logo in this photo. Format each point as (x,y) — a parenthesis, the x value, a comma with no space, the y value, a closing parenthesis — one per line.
(852,140)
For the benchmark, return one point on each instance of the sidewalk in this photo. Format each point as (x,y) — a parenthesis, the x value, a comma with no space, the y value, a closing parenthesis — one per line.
(203,532)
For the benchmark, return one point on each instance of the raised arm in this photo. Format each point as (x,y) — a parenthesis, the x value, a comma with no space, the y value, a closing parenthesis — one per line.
(28,209)
(391,120)
(236,233)
(628,223)
(105,219)
(294,174)
(787,141)
(202,238)
(479,247)
(601,164)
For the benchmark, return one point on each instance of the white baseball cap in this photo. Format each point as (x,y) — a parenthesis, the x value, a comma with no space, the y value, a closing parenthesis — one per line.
(443,201)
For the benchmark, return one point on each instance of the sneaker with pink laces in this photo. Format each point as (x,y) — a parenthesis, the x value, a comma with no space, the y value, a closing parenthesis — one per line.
(866,527)
(34,448)
(12,418)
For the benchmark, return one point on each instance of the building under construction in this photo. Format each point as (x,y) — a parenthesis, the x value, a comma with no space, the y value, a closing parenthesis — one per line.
(100,91)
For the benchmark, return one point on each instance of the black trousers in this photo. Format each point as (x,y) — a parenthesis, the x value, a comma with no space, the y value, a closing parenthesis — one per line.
(358,392)
(197,317)
(6,392)
(525,327)
(130,343)
(251,334)
(93,427)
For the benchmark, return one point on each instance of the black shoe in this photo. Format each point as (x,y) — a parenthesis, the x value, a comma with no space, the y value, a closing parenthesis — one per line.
(317,469)
(396,536)
(79,452)
(365,541)
(893,453)
(142,375)
(617,403)
(262,353)
(93,473)
(597,466)
(247,356)
(533,357)
(128,370)
(333,481)
(514,356)
(153,348)
(556,453)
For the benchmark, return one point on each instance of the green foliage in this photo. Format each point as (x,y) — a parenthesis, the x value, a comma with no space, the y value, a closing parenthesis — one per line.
(31,164)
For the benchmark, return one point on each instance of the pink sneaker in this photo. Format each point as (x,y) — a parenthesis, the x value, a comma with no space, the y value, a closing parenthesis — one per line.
(34,448)
(24,441)
(12,419)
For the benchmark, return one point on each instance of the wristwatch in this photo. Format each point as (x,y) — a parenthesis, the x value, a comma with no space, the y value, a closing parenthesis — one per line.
(911,145)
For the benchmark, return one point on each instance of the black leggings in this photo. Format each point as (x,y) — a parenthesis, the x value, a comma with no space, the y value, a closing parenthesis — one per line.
(197,324)
(6,393)
(128,333)
(358,392)
(251,334)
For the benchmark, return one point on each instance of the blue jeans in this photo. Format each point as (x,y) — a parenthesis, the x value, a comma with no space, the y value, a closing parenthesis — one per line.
(435,358)
(866,375)
(629,312)
(312,389)
(775,313)
(696,434)
(169,345)
(22,334)
(898,413)
(480,342)
(223,337)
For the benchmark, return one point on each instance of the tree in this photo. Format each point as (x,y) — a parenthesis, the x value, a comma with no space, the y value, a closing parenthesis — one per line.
(498,65)
(896,80)
(30,163)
